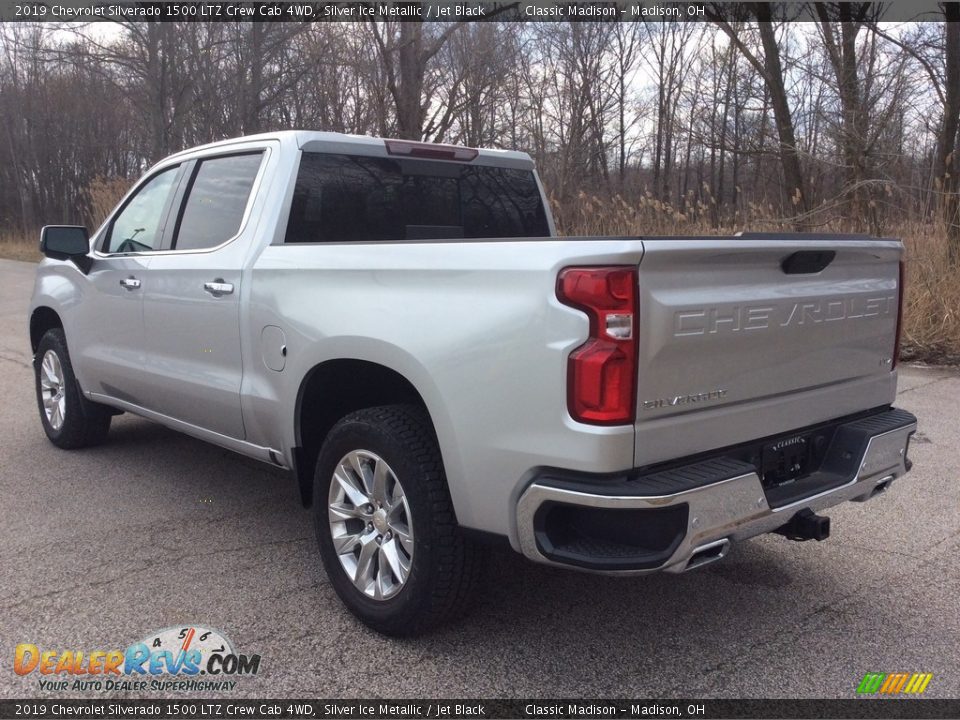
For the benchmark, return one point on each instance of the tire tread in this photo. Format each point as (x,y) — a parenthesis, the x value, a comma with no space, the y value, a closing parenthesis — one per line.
(456,561)
(94,418)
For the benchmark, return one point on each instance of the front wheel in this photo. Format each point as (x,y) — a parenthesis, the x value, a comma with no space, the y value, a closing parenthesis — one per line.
(69,419)
(388,536)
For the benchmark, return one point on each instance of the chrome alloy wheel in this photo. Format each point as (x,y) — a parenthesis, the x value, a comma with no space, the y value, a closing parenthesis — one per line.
(52,389)
(370,522)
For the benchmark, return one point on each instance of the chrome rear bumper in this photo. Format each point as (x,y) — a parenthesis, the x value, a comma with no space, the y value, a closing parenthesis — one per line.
(731,510)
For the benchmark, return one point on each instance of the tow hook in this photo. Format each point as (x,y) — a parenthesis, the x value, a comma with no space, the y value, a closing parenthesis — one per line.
(806,525)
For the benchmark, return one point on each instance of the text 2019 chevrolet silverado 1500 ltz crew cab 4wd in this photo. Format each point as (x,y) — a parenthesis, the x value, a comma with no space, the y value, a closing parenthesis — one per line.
(397,324)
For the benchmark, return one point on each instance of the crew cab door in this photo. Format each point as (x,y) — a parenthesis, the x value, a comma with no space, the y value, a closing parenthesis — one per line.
(108,342)
(192,297)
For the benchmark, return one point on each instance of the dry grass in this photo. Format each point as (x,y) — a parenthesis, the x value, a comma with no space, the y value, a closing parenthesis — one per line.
(931,331)
(17,246)
(103,195)
(931,316)
(592,215)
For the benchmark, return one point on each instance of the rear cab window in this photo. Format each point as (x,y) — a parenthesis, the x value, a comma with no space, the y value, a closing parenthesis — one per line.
(356,198)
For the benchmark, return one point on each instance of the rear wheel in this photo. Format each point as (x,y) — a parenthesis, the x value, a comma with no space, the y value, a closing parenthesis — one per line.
(388,536)
(69,419)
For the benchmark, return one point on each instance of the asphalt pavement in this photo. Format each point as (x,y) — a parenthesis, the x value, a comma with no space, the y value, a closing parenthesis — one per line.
(154,529)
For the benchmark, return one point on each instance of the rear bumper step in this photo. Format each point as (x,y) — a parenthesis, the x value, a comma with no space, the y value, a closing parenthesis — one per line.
(687,516)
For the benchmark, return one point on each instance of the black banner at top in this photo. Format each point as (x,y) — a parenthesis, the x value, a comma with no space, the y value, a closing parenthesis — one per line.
(425,11)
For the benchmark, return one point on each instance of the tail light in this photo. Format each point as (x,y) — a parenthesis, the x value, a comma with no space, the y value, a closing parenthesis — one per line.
(430,151)
(602,373)
(901,290)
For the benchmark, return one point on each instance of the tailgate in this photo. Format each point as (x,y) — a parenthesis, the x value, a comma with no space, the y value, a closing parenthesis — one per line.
(734,348)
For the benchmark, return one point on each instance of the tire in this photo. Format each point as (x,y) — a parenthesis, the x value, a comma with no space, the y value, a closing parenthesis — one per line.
(443,568)
(73,421)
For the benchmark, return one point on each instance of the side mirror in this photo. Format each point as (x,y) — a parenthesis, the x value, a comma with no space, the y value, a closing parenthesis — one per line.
(67,242)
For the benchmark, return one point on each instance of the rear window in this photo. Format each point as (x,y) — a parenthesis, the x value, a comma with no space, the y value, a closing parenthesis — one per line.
(348,198)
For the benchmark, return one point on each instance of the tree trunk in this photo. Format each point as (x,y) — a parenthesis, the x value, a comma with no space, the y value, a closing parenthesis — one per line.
(411,70)
(771,69)
(853,121)
(789,158)
(948,162)
(253,88)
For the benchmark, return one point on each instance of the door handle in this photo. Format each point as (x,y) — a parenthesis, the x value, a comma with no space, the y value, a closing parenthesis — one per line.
(130,283)
(218,287)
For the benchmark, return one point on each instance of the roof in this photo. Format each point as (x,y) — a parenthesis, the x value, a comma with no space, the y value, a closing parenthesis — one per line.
(317,141)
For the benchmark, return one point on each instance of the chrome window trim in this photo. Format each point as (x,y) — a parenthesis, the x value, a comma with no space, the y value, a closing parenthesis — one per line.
(266,149)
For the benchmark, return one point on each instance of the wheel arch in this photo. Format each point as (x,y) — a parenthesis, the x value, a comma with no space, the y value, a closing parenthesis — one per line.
(42,319)
(333,389)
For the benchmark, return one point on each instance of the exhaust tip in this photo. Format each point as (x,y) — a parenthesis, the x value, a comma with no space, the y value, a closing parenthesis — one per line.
(882,486)
(706,554)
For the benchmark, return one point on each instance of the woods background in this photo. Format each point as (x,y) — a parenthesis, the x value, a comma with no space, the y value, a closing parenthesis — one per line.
(740,122)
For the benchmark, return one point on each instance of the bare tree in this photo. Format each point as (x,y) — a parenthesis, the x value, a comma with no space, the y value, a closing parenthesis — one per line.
(668,42)
(405,50)
(840,26)
(628,40)
(748,119)
(770,68)
(948,146)
(940,60)
(152,59)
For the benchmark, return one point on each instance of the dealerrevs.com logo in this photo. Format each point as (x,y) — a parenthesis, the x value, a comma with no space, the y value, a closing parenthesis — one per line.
(188,658)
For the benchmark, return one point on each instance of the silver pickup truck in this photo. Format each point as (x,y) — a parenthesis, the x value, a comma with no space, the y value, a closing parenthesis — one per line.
(397,324)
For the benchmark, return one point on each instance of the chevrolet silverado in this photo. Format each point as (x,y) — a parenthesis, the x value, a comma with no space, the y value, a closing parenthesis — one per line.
(399,326)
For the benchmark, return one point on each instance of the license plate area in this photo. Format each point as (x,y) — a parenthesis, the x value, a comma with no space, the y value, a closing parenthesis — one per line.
(786,459)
